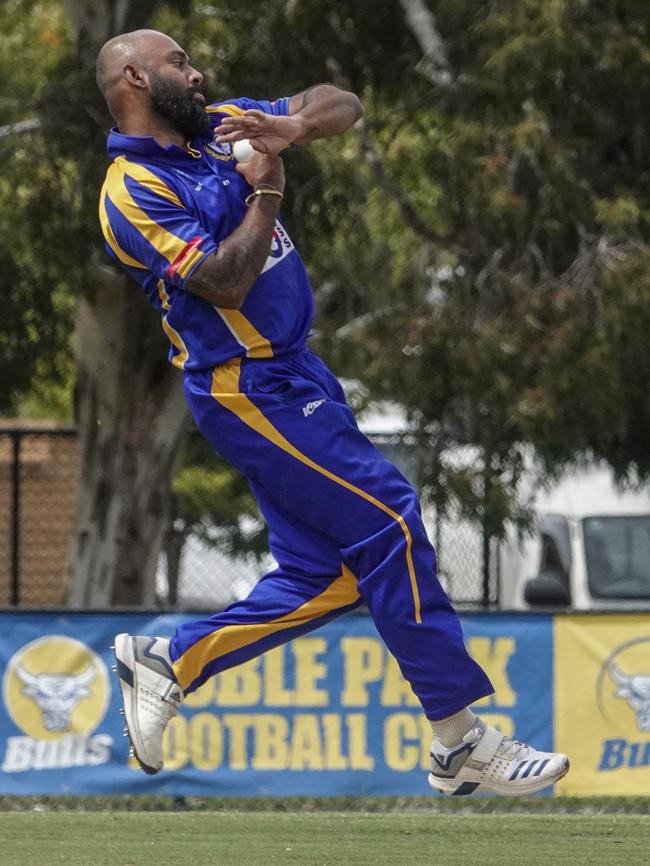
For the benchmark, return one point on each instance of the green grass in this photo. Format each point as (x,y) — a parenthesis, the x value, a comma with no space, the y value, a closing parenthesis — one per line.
(321,839)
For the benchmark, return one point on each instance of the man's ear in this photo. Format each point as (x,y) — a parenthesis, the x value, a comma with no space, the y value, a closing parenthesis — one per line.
(134,76)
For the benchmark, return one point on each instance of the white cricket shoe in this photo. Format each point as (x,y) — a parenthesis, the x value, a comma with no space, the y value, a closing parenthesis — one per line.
(488,761)
(150,694)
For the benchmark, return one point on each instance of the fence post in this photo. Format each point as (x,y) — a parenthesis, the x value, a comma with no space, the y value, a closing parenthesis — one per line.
(485,600)
(16,437)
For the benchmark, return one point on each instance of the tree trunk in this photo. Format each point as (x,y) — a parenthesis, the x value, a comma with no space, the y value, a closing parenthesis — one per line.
(173,545)
(93,22)
(131,414)
(129,404)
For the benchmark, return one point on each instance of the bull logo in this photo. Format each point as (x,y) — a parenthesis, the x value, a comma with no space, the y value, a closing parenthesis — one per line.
(623,686)
(635,690)
(56,695)
(55,687)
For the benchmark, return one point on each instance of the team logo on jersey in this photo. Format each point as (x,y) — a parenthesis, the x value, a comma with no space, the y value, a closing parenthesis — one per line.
(281,246)
(220,150)
(625,677)
(56,691)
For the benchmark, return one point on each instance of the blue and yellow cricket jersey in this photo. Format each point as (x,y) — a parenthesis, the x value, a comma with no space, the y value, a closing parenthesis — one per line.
(163,209)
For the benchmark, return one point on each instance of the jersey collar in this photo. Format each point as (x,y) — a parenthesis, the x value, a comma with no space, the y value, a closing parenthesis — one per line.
(146,146)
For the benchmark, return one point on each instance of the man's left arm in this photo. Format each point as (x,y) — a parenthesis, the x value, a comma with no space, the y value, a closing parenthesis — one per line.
(319,112)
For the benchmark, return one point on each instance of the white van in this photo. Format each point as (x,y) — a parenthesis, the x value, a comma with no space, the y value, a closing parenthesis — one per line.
(590,549)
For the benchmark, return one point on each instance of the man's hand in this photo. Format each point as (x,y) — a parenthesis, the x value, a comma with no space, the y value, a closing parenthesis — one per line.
(319,112)
(263,168)
(267,133)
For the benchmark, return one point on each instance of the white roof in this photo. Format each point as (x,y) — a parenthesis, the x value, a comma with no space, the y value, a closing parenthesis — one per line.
(592,492)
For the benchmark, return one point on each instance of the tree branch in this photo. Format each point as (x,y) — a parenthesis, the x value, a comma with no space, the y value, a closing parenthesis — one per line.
(434,65)
(392,190)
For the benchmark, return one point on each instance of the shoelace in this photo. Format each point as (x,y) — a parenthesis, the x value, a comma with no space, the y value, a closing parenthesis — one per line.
(160,706)
(512,749)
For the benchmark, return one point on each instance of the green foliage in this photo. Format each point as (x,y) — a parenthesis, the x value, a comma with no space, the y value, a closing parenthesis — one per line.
(36,275)
(514,312)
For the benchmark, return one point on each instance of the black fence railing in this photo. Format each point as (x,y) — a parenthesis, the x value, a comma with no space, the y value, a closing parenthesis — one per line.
(39,470)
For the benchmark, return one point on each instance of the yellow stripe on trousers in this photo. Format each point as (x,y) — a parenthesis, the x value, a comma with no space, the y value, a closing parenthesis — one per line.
(341,592)
(225,390)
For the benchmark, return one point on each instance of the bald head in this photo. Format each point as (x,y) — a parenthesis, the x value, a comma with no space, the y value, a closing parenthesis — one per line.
(137,49)
(148,83)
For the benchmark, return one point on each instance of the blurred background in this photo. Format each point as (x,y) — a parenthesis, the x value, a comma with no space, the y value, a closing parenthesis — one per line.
(478,247)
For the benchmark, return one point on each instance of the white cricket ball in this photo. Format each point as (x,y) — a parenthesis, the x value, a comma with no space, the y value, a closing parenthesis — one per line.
(242,150)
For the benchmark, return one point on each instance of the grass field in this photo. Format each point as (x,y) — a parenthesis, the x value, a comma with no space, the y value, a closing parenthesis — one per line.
(321,839)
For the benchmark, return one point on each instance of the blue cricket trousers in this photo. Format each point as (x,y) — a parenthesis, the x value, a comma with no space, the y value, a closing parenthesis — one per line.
(344,527)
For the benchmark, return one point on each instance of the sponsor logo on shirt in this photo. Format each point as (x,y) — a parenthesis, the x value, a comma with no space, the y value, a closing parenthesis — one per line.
(310,408)
(281,246)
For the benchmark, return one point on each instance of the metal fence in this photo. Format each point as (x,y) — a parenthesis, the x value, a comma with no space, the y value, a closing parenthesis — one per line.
(199,568)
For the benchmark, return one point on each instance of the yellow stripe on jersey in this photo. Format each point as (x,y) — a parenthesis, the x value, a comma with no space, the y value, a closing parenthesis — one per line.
(232,110)
(189,262)
(176,340)
(246,334)
(169,245)
(107,231)
(163,295)
(149,179)
(173,336)
(225,390)
(340,593)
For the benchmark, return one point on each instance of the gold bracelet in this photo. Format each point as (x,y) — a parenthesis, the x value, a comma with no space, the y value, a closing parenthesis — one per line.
(263,189)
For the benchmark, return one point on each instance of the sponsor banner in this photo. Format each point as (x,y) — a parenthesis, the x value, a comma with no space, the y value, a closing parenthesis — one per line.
(328,714)
(602,703)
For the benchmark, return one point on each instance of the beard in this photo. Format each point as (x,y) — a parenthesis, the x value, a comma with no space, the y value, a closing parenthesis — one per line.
(179,107)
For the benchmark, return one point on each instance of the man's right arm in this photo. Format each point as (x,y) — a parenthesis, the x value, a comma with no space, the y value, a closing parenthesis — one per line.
(225,277)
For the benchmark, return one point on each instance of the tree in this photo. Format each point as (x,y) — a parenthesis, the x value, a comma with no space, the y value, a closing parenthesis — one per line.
(128,402)
(505,238)
(479,246)
(37,313)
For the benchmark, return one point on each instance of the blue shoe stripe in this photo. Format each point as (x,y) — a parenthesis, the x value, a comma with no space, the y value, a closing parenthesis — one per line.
(445,762)
(158,658)
(124,673)
(465,788)
(541,767)
(516,772)
(531,766)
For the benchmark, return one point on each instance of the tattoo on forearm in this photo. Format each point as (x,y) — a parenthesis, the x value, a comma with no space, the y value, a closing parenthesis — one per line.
(226,277)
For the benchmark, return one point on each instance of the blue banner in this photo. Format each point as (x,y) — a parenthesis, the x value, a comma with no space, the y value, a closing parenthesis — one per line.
(326,715)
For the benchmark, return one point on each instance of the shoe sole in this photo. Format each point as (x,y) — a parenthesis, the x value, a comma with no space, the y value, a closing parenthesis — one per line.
(127,676)
(531,786)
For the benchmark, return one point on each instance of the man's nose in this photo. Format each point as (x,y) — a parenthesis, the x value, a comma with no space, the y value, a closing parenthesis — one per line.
(196,77)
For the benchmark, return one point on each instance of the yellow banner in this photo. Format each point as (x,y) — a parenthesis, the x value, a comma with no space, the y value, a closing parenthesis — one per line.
(602,703)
